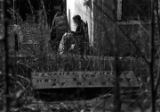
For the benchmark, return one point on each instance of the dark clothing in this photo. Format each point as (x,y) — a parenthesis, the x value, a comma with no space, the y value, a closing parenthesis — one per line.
(80,36)
(80,29)
(59,27)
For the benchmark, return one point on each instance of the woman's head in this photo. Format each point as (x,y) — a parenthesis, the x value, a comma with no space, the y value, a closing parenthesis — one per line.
(77,19)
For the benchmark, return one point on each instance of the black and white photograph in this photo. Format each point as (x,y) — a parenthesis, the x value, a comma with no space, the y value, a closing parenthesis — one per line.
(79,55)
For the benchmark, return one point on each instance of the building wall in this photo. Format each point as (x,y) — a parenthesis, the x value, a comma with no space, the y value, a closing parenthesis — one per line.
(103,30)
(94,15)
(103,25)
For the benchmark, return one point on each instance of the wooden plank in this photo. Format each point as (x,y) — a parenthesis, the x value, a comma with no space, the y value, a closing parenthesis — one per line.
(80,79)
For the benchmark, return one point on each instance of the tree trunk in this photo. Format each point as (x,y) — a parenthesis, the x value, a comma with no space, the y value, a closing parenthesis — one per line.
(153,94)
(5,23)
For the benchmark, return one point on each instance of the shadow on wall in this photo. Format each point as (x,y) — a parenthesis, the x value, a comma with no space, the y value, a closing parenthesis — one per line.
(104,33)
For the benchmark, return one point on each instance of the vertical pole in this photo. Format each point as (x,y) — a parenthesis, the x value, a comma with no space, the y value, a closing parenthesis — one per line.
(5,23)
(117,100)
(152,56)
(104,104)
(13,11)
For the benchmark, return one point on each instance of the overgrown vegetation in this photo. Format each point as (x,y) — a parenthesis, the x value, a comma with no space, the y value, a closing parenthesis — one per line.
(145,64)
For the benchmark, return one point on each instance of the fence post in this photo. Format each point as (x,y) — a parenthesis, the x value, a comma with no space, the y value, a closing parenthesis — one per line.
(5,40)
